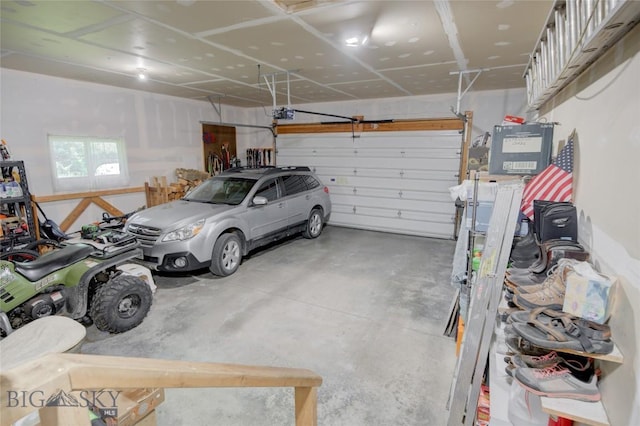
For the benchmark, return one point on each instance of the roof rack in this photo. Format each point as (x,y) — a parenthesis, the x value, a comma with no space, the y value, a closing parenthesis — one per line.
(245,169)
(288,168)
(267,169)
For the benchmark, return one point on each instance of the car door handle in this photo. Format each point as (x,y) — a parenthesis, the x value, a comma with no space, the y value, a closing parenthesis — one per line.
(280,205)
(306,197)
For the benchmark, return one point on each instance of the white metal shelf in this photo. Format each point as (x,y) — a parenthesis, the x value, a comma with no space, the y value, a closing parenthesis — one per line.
(588,413)
(576,34)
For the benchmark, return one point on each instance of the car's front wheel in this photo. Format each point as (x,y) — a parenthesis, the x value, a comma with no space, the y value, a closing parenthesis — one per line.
(314,224)
(227,255)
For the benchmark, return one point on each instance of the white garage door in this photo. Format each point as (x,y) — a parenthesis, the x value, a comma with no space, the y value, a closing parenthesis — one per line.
(384,181)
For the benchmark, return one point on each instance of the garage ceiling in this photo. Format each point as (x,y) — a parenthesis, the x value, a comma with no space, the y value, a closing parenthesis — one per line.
(222,50)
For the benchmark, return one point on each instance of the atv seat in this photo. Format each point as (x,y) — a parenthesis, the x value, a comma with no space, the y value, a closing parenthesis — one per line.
(51,262)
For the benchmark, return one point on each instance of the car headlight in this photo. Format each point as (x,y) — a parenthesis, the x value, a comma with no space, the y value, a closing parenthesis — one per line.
(186,232)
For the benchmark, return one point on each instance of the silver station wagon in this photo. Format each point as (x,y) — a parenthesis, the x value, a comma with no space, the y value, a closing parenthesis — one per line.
(225,217)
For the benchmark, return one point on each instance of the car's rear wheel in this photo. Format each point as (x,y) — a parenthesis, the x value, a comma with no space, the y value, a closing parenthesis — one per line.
(314,224)
(227,255)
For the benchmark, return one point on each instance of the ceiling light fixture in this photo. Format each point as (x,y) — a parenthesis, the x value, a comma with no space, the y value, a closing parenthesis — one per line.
(356,41)
(141,74)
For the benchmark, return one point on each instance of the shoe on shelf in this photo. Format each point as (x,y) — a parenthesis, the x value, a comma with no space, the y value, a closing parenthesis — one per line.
(541,361)
(517,344)
(525,251)
(557,381)
(550,293)
(550,252)
(559,331)
(550,297)
(554,278)
(518,280)
(525,260)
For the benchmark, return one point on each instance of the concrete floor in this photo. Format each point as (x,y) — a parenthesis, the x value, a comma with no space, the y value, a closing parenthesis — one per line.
(365,310)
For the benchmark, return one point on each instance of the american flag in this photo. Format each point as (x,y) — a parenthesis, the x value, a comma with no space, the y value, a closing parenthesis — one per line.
(552,184)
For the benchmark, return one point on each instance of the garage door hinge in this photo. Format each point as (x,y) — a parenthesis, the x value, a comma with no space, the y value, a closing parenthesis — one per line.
(399,213)
(354,191)
(400,194)
(355,172)
(354,209)
(401,174)
(355,151)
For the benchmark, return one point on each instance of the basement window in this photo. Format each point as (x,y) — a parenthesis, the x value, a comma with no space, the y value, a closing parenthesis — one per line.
(82,163)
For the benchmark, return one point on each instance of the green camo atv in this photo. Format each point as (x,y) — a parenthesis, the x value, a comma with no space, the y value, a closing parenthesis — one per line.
(87,279)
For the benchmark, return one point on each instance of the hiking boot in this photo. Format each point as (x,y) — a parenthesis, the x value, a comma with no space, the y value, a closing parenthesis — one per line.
(556,277)
(513,281)
(557,382)
(551,296)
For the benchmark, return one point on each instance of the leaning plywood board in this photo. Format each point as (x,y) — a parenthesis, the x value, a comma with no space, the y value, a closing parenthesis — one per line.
(485,295)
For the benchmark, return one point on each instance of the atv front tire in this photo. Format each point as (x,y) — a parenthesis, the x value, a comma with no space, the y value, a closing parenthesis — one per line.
(121,304)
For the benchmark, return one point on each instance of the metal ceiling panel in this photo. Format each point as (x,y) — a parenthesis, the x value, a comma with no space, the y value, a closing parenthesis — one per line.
(506,34)
(147,40)
(502,78)
(194,16)
(369,89)
(423,80)
(59,16)
(412,45)
(399,33)
(74,54)
(55,69)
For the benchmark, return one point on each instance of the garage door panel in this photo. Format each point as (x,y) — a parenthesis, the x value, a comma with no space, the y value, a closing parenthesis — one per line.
(394,225)
(416,139)
(364,153)
(388,181)
(373,162)
(397,215)
(330,172)
(426,206)
(419,200)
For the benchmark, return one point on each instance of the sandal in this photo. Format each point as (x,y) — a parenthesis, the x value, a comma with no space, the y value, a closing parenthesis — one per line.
(589,328)
(565,332)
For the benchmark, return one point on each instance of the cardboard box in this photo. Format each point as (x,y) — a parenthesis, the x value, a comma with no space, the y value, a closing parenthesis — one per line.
(588,293)
(135,404)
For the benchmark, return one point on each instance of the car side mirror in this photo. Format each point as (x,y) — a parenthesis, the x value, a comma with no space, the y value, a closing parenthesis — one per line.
(260,201)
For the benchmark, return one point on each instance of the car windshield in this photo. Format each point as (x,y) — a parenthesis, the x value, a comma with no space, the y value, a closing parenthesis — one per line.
(221,190)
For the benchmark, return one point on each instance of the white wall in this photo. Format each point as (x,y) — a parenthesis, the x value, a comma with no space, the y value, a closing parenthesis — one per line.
(161,133)
(603,105)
